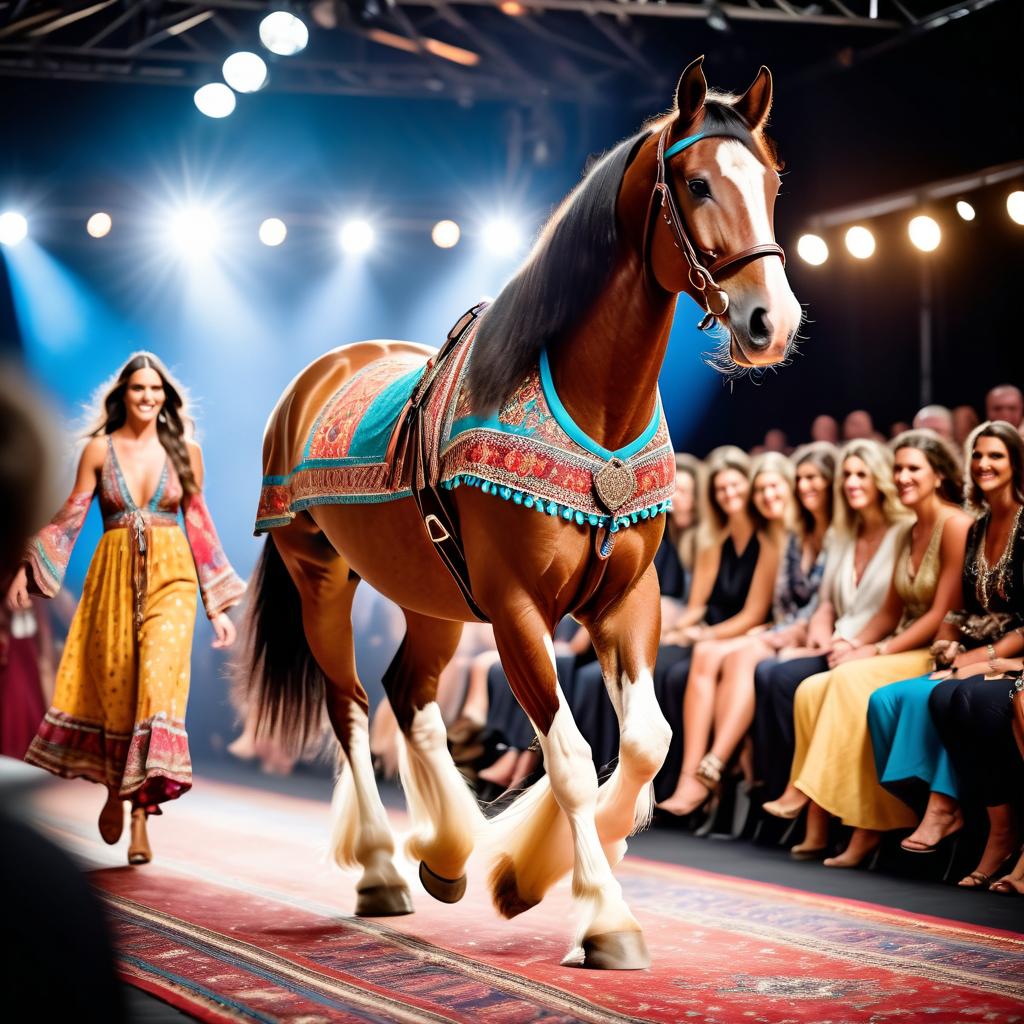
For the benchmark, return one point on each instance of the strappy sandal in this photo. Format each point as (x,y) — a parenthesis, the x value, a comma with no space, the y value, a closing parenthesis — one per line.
(709,772)
(978,881)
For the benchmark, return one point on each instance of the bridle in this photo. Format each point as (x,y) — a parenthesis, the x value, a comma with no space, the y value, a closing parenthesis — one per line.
(704,264)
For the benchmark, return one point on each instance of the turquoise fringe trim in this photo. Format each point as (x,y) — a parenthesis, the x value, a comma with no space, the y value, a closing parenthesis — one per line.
(553,508)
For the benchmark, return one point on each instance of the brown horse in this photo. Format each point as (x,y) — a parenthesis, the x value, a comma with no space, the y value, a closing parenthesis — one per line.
(594,302)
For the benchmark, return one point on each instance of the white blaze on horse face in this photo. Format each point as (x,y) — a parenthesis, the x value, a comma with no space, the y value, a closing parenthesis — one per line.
(747,174)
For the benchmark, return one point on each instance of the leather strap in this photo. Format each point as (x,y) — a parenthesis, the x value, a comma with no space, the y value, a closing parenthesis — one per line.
(409,456)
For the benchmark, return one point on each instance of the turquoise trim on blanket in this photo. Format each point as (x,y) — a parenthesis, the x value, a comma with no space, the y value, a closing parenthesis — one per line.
(372,434)
(569,425)
(553,508)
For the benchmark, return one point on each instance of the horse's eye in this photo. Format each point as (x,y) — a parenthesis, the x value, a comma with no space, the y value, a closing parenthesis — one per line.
(699,188)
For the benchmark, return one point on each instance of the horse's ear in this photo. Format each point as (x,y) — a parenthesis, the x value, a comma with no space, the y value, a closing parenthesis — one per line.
(691,91)
(756,103)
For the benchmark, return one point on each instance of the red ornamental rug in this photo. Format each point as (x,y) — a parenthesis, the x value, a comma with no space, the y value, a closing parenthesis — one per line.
(239,919)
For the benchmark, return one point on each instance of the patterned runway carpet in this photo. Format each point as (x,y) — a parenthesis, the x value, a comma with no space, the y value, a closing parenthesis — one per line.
(239,918)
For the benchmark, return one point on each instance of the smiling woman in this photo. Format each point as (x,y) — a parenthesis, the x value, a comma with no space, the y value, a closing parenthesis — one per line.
(118,716)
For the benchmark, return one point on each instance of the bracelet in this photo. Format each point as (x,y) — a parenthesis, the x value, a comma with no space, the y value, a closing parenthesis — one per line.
(990,653)
(881,647)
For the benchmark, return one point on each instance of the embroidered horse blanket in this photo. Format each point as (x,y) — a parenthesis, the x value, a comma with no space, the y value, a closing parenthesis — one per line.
(529,452)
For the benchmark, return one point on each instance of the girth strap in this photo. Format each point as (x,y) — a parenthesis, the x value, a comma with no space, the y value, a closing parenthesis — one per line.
(409,455)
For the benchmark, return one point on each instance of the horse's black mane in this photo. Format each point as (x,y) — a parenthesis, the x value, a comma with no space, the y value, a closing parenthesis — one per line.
(568,268)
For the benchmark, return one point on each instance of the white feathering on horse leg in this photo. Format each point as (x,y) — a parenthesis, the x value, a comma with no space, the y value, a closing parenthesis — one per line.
(361,834)
(446,818)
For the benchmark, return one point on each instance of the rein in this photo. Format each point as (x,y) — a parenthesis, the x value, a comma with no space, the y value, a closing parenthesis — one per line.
(704,264)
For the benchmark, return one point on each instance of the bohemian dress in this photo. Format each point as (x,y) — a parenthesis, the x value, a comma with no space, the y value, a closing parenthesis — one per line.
(118,714)
(908,750)
(834,764)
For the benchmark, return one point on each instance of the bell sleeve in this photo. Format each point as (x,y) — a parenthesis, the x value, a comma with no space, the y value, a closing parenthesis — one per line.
(219,584)
(49,552)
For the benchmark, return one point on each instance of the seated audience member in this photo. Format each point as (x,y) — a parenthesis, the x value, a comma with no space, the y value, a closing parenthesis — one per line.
(733,581)
(910,758)
(937,418)
(1005,402)
(720,692)
(833,769)
(825,429)
(897,428)
(867,520)
(965,419)
(775,440)
(858,425)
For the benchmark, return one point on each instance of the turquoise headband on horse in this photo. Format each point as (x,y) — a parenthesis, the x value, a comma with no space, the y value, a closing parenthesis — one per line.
(519,474)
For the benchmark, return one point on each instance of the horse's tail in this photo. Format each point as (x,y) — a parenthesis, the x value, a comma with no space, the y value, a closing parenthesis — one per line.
(282,681)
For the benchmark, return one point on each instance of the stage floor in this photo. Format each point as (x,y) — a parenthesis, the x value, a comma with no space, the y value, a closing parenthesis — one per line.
(240,891)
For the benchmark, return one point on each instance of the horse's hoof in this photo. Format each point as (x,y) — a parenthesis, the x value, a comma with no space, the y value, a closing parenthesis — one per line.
(447,890)
(616,951)
(384,901)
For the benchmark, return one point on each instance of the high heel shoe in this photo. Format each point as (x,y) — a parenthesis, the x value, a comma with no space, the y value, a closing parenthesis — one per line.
(111,823)
(787,812)
(139,851)
(709,775)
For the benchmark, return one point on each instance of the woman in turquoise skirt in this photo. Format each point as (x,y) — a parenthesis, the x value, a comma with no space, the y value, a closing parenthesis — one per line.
(909,754)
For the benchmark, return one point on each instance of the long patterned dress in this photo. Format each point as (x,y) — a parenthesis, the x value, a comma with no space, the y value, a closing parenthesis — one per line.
(118,714)
(834,763)
(909,754)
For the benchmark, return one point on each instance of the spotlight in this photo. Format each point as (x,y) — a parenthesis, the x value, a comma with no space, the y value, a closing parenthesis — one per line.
(502,237)
(446,234)
(284,34)
(356,236)
(273,231)
(245,71)
(925,233)
(812,249)
(193,230)
(860,242)
(13,228)
(215,100)
(1015,206)
(512,8)
(965,209)
(99,225)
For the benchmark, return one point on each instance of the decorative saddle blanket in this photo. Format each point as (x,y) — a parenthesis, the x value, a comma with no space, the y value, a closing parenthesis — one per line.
(530,452)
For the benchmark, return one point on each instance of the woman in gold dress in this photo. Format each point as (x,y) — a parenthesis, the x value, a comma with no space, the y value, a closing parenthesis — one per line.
(833,768)
(118,714)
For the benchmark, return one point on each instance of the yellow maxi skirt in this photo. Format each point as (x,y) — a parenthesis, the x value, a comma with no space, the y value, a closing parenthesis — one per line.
(834,763)
(118,714)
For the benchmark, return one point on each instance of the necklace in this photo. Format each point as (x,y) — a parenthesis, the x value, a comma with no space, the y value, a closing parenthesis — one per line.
(995,577)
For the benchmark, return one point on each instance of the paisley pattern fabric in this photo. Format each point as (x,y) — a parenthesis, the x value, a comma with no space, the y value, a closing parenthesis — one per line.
(529,452)
(118,715)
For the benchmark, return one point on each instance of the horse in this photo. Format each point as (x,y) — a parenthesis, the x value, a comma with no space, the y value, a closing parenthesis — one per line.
(684,206)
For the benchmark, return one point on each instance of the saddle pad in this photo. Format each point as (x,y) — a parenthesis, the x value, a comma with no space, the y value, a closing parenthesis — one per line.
(529,452)
(343,461)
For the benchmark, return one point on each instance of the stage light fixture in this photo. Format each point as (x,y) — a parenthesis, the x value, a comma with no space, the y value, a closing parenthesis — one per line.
(512,8)
(812,249)
(245,71)
(284,34)
(965,210)
(99,225)
(215,100)
(925,233)
(502,237)
(1015,206)
(193,230)
(860,242)
(13,228)
(273,231)
(446,234)
(356,236)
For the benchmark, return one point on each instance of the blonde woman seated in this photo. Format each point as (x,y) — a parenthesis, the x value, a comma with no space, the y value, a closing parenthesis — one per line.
(745,564)
(867,520)
(720,691)
(833,770)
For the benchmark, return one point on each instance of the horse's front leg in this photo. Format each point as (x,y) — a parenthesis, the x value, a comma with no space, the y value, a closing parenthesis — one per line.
(609,935)
(626,640)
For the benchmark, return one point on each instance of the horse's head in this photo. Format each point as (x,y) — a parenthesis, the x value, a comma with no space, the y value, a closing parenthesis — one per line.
(710,229)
